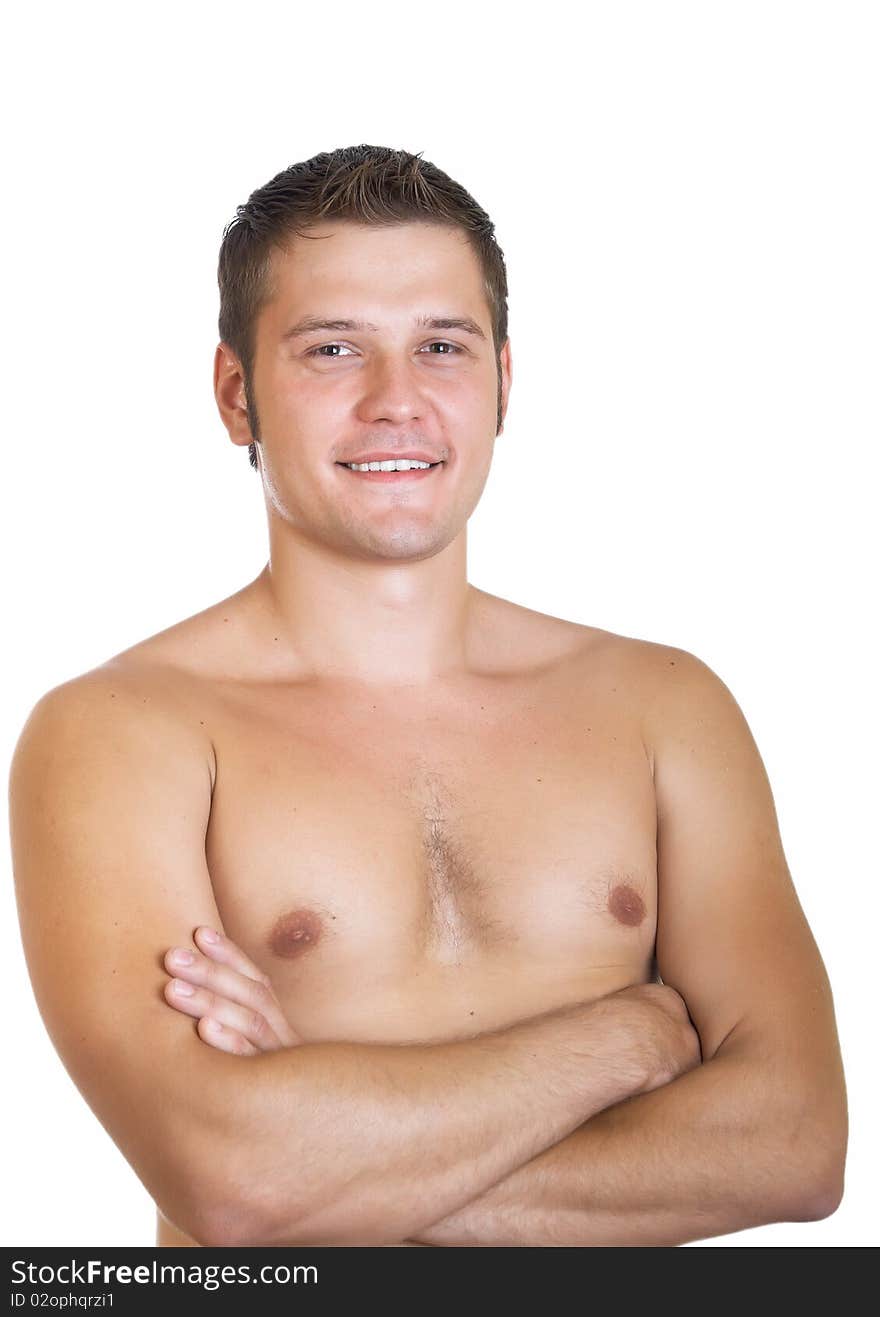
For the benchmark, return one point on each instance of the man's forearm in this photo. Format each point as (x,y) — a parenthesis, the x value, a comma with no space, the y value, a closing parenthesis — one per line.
(362,1143)
(722,1148)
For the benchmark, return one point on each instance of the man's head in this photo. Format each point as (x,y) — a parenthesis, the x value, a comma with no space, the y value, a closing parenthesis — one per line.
(385,240)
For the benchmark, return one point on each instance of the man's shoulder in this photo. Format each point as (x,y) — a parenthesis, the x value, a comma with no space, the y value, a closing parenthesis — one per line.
(669,686)
(655,665)
(122,684)
(126,705)
(661,665)
(154,694)
(683,699)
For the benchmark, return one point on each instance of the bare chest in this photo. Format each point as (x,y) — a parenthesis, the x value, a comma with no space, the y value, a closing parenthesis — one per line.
(402,871)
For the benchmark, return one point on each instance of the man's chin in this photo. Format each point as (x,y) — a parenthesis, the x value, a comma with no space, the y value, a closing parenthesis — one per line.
(400,546)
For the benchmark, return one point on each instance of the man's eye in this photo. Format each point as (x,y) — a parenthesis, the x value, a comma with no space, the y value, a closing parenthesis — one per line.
(324,349)
(315,352)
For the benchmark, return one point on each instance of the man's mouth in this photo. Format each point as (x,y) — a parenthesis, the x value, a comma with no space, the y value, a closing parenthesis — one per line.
(390,472)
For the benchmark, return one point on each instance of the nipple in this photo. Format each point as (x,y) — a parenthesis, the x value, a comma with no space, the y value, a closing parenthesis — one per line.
(294,933)
(626,905)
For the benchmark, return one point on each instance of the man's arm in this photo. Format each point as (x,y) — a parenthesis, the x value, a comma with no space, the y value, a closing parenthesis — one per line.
(543,1201)
(330,1142)
(758,1133)
(705,1155)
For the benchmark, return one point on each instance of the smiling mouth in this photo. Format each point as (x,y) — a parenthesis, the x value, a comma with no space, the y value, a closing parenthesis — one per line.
(392,477)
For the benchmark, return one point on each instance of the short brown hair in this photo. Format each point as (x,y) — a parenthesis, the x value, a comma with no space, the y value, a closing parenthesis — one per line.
(366,184)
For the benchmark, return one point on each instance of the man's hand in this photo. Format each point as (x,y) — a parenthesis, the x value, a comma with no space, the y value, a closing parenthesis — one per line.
(670,1043)
(234,1002)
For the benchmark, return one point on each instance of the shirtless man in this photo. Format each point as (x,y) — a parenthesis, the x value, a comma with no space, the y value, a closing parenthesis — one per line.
(447,841)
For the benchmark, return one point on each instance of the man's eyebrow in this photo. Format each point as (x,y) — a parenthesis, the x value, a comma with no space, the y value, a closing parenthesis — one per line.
(315,324)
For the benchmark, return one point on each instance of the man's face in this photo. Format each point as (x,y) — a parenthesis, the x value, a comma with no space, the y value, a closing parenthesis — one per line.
(328,395)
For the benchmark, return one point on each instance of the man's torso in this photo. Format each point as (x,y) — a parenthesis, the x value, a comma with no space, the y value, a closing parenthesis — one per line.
(416,866)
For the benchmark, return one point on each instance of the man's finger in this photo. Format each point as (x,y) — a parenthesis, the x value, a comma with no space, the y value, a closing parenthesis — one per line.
(221,950)
(229,985)
(225,952)
(242,1020)
(224,1039)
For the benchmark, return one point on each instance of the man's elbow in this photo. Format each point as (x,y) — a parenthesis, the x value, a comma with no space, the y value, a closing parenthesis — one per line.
(825,1192)
(236,1212)
(831,1143)
(214,1191)
(819,1182)
(243,1206)
(228,1218)
(219,1225)
(235,1223)
(827,1204)
(223,1197)
(367,1217)
(207,1211)
(812,1201)
(250,1208)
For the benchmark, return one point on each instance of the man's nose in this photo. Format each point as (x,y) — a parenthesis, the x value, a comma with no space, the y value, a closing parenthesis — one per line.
(391,390)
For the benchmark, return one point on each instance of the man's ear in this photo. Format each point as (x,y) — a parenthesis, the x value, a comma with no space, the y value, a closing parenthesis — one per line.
(506,369)
(229,393)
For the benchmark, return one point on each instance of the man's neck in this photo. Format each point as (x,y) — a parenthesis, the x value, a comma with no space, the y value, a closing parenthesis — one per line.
(373,624)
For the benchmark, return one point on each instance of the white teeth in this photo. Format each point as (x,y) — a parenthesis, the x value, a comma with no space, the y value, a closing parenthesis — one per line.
(403,464)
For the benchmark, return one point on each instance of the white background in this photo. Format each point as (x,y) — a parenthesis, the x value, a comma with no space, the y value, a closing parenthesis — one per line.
(687,198)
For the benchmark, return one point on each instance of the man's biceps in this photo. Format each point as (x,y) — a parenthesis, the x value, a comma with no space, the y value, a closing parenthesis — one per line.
(749,981)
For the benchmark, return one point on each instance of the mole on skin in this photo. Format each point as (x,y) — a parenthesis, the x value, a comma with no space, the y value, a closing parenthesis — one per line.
(626,905)
(294,932)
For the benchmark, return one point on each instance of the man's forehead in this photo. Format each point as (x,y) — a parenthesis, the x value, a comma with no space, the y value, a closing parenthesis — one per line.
(403,252)
(353,271)
(338,233)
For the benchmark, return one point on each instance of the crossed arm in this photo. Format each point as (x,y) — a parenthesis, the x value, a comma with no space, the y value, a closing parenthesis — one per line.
(721,1148)
(110,798)
(724,1146)
(758,1132)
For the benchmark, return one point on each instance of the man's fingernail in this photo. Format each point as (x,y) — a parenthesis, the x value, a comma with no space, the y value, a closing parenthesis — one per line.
(209,935)
(182,989)
(181,957)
